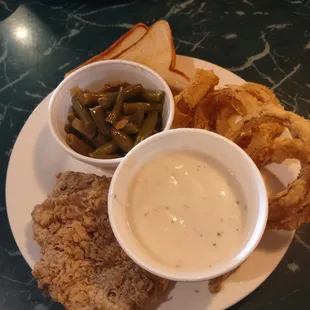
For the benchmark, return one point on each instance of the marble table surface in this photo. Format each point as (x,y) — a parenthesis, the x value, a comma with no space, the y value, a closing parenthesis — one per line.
(261,40)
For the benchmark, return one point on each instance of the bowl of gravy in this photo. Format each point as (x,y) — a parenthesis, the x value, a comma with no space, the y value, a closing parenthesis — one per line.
(188,205)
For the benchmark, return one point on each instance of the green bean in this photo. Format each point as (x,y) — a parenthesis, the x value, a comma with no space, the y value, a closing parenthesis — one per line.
(73,112)
(104,156)
(91,99)
(111,89)
(86,129)
(106,97)
(121,116)
(123,140)
(130,128)
(132,107)
(82,112)
(78,145)
(133,92)
(68,128)
(121,123)
(107,100)
(106,113)
(114,112)
(71,117)
(114,88)
(85,97)
(105,149)
(159,125)
(113,116)
(99,140)
(148,127)
(136,118)
(98,115)
(75,91)
(153,96)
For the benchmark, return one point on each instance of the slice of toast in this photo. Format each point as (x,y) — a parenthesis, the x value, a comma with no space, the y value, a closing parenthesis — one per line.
(123,43)
(156,51)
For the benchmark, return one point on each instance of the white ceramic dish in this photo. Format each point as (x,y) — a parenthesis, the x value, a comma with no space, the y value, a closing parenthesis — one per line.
(37,157)
(208,144)
(93,77)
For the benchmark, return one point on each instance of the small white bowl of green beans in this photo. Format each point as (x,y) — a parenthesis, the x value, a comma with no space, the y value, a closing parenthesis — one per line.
(100,112)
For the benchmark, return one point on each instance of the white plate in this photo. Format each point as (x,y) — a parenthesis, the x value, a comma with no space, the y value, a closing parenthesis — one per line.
(36,159)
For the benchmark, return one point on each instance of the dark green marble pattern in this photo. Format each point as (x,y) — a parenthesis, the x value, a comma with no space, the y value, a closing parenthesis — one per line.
(260,40)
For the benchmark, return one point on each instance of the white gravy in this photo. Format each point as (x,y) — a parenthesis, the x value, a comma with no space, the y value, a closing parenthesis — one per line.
(187,210)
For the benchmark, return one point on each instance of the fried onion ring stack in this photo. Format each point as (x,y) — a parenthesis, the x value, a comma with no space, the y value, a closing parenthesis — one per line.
(252,116)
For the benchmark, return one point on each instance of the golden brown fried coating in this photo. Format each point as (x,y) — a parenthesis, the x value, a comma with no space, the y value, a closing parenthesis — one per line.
(201,84)
(261,93)
(263,136)
(288,208)
(181,120)
(278,151)
(82,266)
(199,120)
(220,99)
(215,285)
(298,126)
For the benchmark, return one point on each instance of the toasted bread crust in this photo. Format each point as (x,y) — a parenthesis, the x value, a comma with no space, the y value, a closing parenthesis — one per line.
(112,47)
(174,61)
(172,48)
(175,78)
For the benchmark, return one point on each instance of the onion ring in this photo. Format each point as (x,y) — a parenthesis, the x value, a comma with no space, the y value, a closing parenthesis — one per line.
(290,208)
(286,204)
(261,93)
(251,116)
(219,99)
(298,126)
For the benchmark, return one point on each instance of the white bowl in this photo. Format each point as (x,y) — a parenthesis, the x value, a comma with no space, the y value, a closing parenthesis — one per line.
(94,77)
(215,146)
